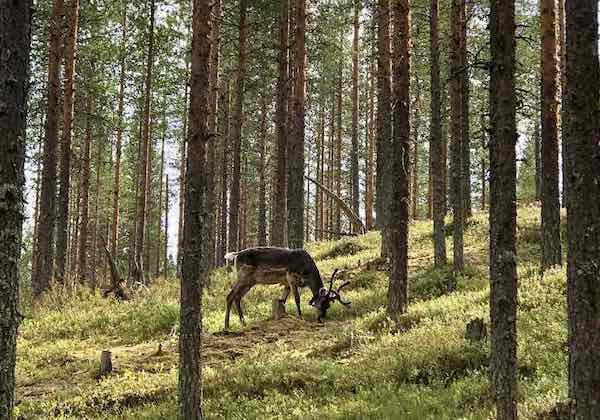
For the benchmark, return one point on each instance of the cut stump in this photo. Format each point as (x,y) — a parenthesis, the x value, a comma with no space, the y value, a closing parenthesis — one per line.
(476,330)
(105,364)
(278,309)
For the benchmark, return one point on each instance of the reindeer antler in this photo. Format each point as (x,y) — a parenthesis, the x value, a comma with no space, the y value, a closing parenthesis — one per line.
(332,279)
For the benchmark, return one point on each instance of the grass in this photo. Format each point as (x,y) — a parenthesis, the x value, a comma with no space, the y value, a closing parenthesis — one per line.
(357,365)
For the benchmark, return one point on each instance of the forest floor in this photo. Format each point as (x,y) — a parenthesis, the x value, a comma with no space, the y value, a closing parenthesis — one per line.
(357,365)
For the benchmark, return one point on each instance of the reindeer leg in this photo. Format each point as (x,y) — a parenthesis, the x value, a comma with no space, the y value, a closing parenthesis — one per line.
(238,302)
(286,293)
(230,297)
(297,299)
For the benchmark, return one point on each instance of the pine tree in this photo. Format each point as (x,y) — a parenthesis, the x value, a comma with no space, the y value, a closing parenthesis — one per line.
(194,263)
(583,206)
(436,148)
(62,218)
(550,195)
(15,36)
(398,215)
(44,252)
(503,211)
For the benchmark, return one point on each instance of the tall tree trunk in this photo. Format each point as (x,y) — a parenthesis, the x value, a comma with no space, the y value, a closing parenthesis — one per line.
(563,87)
(457,154)
(551,247)
(211,154)
(234,195)
(74,256)
(142,195)
(414,179)
(262,167)
(95,228)
(437,143)
(384,128)
(15,39)
(583,206)
(182,177)
(318,193)
(38,180)
(194,265)
(354,150)
(503,211)
(166,229)
(483,172)
(224,138)
(44,266)
(82,266)
(464,115)
(296,143)
(114,241)
(370,136)
(398,203)
(160,198)
(538,161)
(338,149)
(281,111)
(62,214)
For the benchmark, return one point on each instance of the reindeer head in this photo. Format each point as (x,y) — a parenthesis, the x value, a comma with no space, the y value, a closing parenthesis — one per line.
(322,301)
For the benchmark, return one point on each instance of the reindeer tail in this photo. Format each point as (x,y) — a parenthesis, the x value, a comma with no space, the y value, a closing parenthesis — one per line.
(230,258)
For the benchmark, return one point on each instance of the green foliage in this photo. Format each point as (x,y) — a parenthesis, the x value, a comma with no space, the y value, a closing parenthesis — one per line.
(358,365)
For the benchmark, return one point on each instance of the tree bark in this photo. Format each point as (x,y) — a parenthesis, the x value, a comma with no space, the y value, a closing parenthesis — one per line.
(296,144)
(93,252)
(262,167)
(234,195)
(194,264)
(354,150)
(114,240)
(44,266)
(224,138)
(583,206)
(414,179)
(166,243)
(384,128)
(15,43)
(538,161)
(211,154)
(437,144)
(398,215)
(160,198)
(563,87)
(280,197)
(457,154)
(465,121)
(338,148)
(550,197)
(62,216)
(142,194)
(370,159)
(503,211)
(82,266)
(182,177)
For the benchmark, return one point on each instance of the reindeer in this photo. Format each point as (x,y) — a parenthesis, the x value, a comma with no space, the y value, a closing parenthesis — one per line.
(292,268)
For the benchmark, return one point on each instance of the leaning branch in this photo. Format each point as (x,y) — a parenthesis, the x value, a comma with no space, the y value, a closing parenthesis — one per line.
(341,202)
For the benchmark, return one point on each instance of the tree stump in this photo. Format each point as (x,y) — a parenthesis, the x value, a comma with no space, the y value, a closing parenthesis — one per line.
(278,309)
(105,364)
(476,330)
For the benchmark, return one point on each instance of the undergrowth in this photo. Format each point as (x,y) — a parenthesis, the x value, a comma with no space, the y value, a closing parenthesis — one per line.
(357,365)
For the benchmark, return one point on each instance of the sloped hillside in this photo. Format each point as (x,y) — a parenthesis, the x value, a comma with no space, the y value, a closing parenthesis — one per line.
(356,365)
